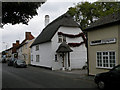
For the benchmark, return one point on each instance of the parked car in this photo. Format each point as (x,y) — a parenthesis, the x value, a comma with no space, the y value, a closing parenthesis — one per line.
(11,61)
(19,63)
(109,79)
(3,60)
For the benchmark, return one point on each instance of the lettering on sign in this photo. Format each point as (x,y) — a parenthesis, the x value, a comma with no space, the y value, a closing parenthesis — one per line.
(104,41)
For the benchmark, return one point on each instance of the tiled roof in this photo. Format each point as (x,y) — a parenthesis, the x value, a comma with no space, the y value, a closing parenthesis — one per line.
(112,18)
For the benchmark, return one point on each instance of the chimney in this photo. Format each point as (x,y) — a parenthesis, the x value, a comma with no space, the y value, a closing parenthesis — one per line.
(28,36)
(17,42)
(47,19)
(14,44)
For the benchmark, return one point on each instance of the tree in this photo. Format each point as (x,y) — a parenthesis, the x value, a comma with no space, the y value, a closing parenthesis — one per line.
(86,13)
(19,12)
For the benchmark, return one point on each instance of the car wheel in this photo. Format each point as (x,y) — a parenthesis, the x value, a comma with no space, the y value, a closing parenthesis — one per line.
(16,66)
(101,84)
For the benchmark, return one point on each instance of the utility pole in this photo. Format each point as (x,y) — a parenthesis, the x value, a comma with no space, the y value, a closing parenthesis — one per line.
(6,45)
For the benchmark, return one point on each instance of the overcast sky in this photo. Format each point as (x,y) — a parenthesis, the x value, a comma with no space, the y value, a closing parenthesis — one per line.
(54,8)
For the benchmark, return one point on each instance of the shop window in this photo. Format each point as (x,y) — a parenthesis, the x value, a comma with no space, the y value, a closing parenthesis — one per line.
(106,59)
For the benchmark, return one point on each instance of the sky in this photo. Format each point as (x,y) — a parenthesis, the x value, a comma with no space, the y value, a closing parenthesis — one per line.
(54,8)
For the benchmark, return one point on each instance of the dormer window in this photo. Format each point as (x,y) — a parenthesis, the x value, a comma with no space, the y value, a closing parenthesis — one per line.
(61,38)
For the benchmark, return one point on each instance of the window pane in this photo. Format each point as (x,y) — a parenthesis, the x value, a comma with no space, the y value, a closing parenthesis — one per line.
(37,58)
(99,59)
(60,38)
(112,59)
(37,47)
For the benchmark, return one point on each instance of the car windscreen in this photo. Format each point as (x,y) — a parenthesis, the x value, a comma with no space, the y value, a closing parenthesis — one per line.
(117,69)
(20,61)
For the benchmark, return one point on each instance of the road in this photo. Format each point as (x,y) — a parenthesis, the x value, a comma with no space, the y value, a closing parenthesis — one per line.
(34,77)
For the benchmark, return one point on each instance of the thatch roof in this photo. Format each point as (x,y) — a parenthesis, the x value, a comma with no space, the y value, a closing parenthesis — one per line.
(50,30)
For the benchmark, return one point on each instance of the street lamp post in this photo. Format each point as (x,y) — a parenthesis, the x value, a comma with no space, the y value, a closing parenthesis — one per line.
(6,45)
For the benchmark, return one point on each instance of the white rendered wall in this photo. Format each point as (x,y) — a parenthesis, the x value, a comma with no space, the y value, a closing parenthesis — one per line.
(79,55)
(47,51)
(44,53)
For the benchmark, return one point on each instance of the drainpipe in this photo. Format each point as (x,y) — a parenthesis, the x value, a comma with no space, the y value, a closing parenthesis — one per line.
(63,68)
(69,68)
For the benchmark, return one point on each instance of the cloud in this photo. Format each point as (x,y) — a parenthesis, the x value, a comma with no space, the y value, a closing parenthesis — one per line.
(11,33)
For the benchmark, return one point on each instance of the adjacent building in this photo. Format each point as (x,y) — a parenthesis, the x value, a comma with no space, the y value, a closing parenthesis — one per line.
(104,44)
(61,45)
(12,52)
(24,48)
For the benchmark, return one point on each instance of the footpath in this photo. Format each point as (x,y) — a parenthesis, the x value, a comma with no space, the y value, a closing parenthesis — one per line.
(79,74)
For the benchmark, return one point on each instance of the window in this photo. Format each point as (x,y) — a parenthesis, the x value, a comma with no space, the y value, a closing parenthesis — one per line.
(112,59)
(56,58)
(99,59)
(106,59)
(26,46)
(31,57)
(37,47)
(31,50)
(21,49)
(37,58)
(61,38)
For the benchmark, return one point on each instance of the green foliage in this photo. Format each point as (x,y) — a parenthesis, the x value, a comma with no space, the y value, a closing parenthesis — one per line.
(86,13)
(19,12)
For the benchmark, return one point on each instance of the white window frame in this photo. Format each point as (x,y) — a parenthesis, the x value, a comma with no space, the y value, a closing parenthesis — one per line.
(37,59)
(63,38)
(102,60)
(60,38)
(37,47)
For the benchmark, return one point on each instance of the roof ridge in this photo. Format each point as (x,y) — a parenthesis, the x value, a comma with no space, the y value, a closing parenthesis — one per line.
(105,20)
(49,31)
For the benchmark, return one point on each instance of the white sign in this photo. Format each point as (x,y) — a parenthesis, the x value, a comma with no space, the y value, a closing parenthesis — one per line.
(105,41)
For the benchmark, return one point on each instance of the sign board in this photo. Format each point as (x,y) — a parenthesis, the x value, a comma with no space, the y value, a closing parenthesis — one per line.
(104,41)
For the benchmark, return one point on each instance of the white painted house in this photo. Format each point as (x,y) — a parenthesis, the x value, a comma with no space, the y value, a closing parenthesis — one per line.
(60,46)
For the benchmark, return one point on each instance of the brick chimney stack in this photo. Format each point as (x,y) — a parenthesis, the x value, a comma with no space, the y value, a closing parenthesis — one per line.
(28,36)
(47,19)
(17,42)
(14,44)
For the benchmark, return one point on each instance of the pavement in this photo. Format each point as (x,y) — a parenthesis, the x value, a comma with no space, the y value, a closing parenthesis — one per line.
(81,74)
(77,73)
